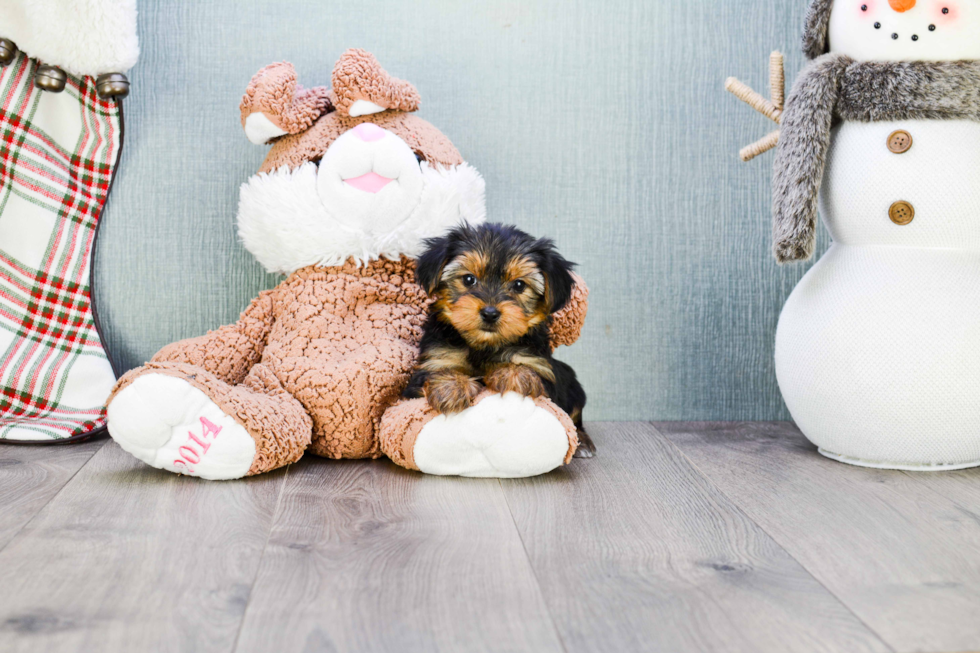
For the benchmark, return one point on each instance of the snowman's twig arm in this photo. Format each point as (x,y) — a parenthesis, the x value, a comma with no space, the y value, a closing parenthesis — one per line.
(801,156)
(761,146)
(753,99)
(771,108)
(777,79)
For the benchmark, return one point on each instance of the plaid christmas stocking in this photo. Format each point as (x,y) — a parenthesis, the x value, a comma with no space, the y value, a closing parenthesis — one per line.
(58,153)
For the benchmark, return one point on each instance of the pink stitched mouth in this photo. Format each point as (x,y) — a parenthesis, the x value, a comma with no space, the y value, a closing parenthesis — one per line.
(372,182)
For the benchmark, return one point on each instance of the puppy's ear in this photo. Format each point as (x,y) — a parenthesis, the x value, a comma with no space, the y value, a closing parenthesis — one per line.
(557,273)
(429,267)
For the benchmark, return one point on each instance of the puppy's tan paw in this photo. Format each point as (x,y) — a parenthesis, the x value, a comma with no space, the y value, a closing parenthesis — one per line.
(451,393)
(515,378)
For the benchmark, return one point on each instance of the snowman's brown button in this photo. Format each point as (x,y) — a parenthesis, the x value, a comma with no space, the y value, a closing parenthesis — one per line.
(900,141)
(901,213)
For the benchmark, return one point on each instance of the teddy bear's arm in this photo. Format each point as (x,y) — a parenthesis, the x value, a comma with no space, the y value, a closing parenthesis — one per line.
(566,324)
(228,352)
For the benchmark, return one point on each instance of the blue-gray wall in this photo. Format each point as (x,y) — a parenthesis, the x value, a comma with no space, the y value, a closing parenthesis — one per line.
(602,123)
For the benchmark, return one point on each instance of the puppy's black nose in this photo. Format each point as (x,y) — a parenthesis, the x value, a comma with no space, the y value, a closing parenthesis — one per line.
(490,314)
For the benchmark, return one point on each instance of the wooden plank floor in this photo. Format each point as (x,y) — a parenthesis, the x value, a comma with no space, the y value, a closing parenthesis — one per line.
(676,537)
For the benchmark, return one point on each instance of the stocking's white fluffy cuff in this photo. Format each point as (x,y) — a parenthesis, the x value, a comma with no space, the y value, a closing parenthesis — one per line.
(82,37)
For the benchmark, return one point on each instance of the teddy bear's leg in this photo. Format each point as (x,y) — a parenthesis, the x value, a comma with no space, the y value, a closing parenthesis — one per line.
(501,436)
(181,418)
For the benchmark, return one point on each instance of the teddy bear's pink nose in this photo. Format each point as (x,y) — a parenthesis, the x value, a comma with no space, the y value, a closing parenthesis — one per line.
(368,131)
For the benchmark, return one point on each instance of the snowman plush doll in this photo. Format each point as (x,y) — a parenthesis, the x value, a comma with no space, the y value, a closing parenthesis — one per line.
(878,347)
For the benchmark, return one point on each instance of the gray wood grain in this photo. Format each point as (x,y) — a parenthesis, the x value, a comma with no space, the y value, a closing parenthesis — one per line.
(128,558)
(31,476)
(899,549)
(366,556)
(635,551)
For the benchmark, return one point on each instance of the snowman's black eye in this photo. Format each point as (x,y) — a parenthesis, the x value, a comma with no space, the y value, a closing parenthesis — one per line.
(945,10)
(864,7)
(877,25)
(932,28)
(915,37)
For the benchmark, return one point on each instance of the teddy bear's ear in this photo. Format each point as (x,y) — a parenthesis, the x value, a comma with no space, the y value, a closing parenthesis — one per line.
(274,104)
(362,87)
(566,324)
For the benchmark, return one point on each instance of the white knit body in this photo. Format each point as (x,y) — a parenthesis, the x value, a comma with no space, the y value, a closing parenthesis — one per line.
(878,347)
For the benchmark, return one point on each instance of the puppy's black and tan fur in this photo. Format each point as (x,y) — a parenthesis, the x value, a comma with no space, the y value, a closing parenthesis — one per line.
(495,290)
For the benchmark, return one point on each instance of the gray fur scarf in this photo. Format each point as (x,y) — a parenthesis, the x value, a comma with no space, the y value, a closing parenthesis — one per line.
(834,87)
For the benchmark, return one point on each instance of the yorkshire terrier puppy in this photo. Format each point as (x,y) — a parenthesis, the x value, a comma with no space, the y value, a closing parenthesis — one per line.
(495,290)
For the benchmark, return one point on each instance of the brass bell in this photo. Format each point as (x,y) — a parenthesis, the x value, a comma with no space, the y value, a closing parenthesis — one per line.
(8,52)
(112,85)
(50,78)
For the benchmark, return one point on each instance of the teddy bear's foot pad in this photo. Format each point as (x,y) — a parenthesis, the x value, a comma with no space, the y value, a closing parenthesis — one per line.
(502,436)
(169,424)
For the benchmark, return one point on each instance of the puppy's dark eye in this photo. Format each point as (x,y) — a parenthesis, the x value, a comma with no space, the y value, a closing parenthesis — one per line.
(519,286)
(469,280)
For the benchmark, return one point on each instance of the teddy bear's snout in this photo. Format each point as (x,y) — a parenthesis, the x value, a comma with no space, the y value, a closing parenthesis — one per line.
(368,131)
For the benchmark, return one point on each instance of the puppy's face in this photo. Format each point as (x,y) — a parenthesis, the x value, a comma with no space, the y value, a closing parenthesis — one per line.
(491,298)
(494,284)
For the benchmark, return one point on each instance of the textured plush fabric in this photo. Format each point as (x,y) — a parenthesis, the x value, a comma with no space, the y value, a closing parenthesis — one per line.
(834,86)
(400,427)
(230,351)
(294,150)
(566,324)
(340,336)
(284,221)
(166,421)
(342,341)
(801,156)
(405,421)
(328,349)
(359,76)
(913,90)
(277,422)
(274,92)
(815,30)
(299,112)
(83,37)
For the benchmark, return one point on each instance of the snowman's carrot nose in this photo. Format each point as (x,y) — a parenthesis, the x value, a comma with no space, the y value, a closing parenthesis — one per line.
(901,5)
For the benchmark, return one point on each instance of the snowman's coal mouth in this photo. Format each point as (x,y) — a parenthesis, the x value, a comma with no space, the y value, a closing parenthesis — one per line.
(896,36)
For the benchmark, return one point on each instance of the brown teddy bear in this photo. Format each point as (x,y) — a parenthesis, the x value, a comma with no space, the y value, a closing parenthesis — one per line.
(353,184)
